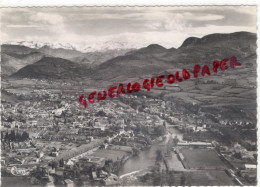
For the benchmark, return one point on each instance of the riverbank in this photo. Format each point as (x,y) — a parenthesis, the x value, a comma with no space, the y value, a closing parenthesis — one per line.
(132,177)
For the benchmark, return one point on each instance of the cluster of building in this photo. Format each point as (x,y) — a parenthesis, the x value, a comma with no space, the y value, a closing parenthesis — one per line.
(69,144)
(60,133)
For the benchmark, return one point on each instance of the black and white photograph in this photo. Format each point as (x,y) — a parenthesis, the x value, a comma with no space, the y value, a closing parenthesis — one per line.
(128,96)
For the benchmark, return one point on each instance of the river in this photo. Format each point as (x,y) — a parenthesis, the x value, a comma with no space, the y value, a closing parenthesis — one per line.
(146,158)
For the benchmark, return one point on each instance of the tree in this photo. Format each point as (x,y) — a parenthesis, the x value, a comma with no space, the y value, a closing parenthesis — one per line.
(162,94)
(164,123)
(175,140)
(144,129)
(12,136)
(54,164)
(10,119)
(108,166)
(138,127)
(238,156)
(135,151)
(25,136)
(7,136)
(38,175)
(156,173)
(100,113)
(18,137)
(183,180)
(160,130)
(159,155)
(2,136)
(61,162)
(166,165)
(34,181)
(3,145)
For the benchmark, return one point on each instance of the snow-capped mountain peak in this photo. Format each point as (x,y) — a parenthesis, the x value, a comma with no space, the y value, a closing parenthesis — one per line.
(95,47)
(37,45)
(110,45)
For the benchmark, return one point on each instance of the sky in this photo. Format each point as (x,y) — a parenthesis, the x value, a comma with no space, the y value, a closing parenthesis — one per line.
(125,27)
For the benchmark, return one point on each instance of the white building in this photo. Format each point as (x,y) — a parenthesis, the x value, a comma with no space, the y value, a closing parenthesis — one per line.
(250,166)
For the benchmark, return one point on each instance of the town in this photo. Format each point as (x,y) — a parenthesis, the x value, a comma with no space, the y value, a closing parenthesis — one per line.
(47,139)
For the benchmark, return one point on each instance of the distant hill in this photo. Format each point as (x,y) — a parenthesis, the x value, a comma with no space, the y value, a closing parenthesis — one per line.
(14,57)
(7,62)
(153,48)
(18,49)
(51,68)
(60,52)
(236,37)
(134,64)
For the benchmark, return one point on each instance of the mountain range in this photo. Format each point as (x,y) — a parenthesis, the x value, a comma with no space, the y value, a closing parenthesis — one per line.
(14,57)
(154,59)
(25,62)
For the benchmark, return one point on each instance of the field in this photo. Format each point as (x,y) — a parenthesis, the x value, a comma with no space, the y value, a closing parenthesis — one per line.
(174,163)
(202,159)
(110,154)
(209,178)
